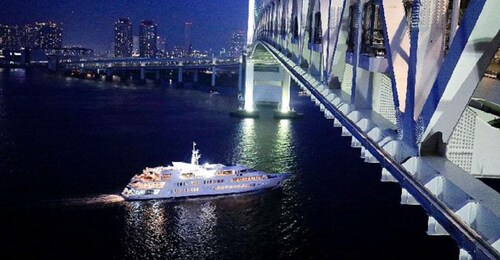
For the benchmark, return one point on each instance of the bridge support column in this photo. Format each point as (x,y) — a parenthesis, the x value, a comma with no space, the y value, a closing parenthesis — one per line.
(195,76)
(109,75)
(249,75)
(214,74)
(240,76)
(143,74)
(157,75)
(284,112)
(180,81)
(248,108)
(285,93)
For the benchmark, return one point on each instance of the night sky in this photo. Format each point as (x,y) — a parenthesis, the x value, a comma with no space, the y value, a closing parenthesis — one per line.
(91,23)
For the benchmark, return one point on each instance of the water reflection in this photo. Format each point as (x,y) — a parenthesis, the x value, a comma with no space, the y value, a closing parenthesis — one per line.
(269,145)
(246,143)
(194,227)
(144,229)
(17,75)
(159,229)
(266,145)
(283,148)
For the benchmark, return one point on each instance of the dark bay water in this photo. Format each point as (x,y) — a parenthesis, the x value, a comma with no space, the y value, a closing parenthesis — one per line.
(69,146)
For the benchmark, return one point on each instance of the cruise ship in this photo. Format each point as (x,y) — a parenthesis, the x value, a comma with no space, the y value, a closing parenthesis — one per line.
(183,179)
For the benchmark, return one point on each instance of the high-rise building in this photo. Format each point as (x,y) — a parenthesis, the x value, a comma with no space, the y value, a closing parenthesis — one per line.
(237,43)
(147,39)
(161,48)
(161,44)
(187,37)
(123,38)
(10,37)
(135,48)
(43,35)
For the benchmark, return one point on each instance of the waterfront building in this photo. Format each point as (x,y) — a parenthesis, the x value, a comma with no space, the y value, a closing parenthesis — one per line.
(161,48)
(123,38)
(43,35)
(135,46)
(10,37)
(237,43)
(187,37)
(147,39)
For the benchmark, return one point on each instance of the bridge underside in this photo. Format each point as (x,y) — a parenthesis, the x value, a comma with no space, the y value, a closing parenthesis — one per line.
(266,81)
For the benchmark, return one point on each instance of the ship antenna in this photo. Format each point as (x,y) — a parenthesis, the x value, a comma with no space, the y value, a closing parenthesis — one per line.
(195,155)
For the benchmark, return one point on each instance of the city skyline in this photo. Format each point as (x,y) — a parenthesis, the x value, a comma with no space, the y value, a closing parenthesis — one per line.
(93,27)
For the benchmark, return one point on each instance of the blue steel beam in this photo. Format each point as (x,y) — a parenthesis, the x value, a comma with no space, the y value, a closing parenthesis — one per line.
(466,237)
(387,45)
(355,60)
(458,48)
(409,113)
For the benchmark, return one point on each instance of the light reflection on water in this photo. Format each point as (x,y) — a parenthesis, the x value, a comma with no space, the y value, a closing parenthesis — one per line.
(159,229)
(144,229)
(265,145)
(194,227)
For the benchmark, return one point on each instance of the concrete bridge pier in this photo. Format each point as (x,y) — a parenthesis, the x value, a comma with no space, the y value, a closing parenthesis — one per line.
(143,75)
(248,110)
(109,75)
(96,75)
(285,111)
(240,76)
(195,76)
(180,81)
(285,93)
(157,76)
(214,74)
(249,84)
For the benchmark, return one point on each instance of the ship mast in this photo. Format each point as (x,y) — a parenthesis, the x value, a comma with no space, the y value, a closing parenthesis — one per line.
(195,155)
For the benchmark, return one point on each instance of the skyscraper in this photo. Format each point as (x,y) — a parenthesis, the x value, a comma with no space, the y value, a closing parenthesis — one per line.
(237,43)
(123,38)
(187,37)
(135,48)
(43,35)
(161,44)
(10,37)
(147,39)
(161,48)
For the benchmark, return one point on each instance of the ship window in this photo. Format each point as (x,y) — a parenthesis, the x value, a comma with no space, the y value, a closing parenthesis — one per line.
(227,172)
